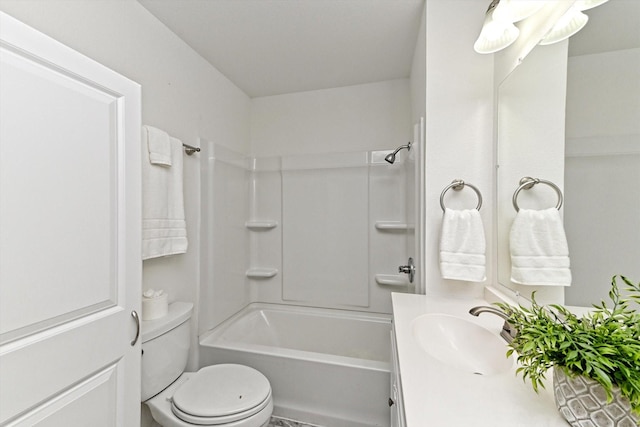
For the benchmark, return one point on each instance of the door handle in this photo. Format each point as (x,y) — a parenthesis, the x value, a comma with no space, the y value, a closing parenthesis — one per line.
(134,314)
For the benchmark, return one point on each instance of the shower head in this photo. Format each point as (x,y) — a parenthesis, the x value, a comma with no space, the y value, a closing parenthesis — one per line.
(391,157)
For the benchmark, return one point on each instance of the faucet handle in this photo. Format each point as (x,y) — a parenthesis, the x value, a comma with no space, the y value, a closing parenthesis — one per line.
(508,331)
(409,269)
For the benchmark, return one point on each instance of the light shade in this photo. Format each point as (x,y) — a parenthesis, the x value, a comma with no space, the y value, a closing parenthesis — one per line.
(517,10)
(569,24)
(588,4)
(495,35)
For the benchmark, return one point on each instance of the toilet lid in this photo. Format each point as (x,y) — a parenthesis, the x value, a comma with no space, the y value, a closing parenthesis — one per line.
(221,394)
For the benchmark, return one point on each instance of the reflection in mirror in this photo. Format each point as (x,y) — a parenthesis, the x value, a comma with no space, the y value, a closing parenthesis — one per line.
(531,103)
(602,163)
(601,176)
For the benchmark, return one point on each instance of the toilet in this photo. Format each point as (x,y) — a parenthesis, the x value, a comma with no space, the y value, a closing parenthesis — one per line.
(226,395)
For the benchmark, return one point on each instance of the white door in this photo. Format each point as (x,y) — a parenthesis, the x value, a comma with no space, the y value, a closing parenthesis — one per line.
(70,265)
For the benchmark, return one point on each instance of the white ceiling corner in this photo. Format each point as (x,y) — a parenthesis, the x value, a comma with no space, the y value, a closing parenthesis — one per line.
(270,47)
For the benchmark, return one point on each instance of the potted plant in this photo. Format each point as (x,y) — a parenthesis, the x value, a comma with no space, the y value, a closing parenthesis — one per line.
(595,357)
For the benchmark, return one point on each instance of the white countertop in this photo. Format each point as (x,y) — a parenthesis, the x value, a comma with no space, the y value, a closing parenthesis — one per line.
(436,395)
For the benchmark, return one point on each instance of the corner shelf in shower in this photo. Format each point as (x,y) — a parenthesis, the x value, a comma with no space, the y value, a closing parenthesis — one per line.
(393,226)
(261,273)
(260,225)
(392,280)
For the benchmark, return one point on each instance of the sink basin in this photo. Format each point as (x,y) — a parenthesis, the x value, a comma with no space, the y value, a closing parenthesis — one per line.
(461,344)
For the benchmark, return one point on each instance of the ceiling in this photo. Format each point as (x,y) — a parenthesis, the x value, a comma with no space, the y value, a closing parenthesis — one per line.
(271,47)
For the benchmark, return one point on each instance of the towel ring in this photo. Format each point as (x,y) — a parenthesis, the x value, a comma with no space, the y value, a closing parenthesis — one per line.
(527,183)
(457,185)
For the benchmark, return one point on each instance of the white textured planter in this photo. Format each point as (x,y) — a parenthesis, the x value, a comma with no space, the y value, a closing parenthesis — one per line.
(583,403)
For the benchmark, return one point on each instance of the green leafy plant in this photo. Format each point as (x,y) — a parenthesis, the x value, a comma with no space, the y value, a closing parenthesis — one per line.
(603,345)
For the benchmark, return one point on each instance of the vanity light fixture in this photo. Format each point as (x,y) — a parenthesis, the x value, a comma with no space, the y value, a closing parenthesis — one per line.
(517,10)
(497,32)
(568,24)
(571,22)
(588,4)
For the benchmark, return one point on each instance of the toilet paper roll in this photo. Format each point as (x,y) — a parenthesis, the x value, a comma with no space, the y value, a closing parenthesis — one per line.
(155,306)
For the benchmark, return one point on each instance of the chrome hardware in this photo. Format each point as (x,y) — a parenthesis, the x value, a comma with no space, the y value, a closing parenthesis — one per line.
(190,149)
(137,319)
(508,332)
(391,157)
(409,269)
(527,183)
(457,185)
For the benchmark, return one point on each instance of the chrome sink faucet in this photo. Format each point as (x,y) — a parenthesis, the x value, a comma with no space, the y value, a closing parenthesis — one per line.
(508,332)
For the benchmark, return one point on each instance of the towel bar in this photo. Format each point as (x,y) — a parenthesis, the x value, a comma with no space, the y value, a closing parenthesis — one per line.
(189,149)
(527,183)
(457,185)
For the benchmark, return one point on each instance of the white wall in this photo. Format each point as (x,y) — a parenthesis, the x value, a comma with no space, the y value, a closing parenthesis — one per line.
(418,78)
(372,116)
(459,127)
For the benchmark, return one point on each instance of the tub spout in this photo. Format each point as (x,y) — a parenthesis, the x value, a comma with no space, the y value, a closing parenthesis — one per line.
(508,332)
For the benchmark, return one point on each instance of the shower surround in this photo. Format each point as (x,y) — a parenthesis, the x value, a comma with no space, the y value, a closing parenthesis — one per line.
(317,230)
(313,219)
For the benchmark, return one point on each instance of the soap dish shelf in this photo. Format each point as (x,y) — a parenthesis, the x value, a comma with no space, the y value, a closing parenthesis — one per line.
(392,280)
(393,226)
(261,273)
(260,225)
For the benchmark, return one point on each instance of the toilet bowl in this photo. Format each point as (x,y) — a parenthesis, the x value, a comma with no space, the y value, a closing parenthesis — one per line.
(184,403)
(225,395)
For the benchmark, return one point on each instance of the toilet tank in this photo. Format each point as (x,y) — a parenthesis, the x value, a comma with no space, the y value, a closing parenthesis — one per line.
(165,348)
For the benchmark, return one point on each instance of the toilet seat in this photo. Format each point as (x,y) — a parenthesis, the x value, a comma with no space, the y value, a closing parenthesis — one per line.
(221,394)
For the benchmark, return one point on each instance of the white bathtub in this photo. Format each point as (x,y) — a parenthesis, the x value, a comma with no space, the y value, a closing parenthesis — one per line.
(326,367)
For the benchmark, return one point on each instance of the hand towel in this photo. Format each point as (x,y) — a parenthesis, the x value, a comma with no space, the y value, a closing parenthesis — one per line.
(462,246)
(158,144)
(539,249)
(164,230)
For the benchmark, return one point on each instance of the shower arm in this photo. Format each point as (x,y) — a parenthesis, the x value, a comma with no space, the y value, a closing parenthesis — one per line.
(407,146)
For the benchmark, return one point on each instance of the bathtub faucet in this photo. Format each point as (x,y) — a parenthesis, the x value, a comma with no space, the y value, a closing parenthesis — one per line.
(508,332)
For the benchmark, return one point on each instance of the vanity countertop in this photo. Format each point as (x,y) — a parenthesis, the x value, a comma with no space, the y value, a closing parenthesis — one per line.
(438,395)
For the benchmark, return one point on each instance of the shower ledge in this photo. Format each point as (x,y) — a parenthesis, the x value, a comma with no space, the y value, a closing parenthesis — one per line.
(261,225)
(393,226)
(392,279)
(261,273)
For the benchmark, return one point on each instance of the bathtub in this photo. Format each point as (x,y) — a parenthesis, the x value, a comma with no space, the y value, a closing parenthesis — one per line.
(326,367)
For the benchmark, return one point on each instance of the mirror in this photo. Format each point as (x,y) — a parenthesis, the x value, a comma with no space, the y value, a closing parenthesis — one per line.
(591,149)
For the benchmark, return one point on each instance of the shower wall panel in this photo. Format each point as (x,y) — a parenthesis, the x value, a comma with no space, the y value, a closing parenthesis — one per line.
(225,254)
(265,243)
(325,206)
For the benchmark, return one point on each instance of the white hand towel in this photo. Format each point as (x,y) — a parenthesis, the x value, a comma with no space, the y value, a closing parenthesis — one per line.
(539,249)
(462,246)
(164,230)
(158,144)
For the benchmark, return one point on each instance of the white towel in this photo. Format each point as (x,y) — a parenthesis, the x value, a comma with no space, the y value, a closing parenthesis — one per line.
(539,249)
(462,246)
(158,144)
(164,230)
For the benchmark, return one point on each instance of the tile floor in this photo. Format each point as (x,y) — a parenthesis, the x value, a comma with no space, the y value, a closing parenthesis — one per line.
(283,422)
